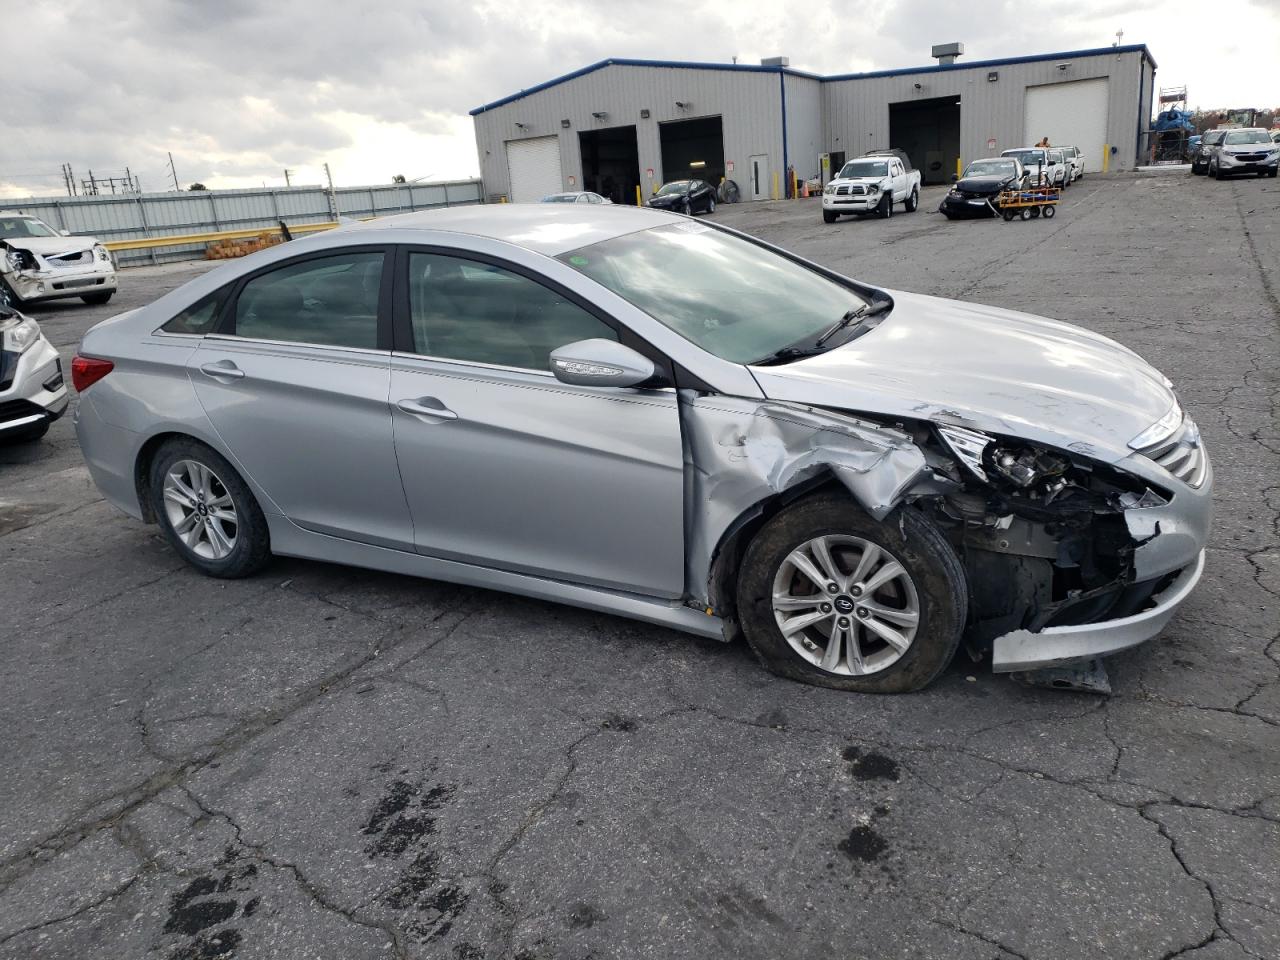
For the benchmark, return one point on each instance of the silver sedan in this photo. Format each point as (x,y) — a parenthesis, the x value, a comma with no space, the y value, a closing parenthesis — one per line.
(664,419)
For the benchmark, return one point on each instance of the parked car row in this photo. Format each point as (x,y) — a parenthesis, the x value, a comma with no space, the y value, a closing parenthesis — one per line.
(1227,152)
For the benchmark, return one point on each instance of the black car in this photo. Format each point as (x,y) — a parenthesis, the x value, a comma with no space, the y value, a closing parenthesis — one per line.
(974,194)
(685,196)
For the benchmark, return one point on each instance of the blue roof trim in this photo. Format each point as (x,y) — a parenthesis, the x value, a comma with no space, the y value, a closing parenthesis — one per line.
(627,62)
(944,67)
(753,68)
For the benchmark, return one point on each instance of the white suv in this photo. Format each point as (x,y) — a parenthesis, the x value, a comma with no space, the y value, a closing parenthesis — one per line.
(40,263)
(32,391)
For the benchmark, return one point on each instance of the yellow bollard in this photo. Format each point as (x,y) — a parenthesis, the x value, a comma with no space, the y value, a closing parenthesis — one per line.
(795,187)
(1106,157)
(639,197)
(775,185)
(959,168)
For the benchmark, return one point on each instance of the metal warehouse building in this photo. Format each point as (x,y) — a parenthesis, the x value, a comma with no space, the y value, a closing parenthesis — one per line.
(621,124)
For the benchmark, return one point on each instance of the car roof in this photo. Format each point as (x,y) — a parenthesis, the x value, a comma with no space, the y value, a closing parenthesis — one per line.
(545,228)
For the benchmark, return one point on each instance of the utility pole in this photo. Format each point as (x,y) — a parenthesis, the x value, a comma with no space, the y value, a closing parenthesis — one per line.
(287,173)
(173,170)
(333,197)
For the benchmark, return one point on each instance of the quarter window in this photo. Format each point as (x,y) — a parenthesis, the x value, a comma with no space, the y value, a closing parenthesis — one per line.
(331,301)
(199,318)
(466,310)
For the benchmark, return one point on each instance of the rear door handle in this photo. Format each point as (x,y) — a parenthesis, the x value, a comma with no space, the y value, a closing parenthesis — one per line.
(427,407)
(222,370)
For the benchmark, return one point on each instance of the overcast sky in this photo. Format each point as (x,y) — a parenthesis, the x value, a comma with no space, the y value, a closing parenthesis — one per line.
(240,89)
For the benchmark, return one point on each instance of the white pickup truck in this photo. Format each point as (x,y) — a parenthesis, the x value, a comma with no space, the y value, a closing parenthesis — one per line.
(872,184)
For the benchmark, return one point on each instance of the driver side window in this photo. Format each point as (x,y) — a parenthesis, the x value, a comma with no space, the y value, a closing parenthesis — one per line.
(476,312)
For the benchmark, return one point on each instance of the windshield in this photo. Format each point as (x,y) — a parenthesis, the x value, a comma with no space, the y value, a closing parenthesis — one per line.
(21,227)
(1029,158)
(676,186)
(1213,136)
(729,296)
(865,168)
(1246,136)
(991,168)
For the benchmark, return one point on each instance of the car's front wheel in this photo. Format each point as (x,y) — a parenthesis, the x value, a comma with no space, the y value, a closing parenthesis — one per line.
(829,596)
(711,204)
(97,299)
(206,511)
(829,216)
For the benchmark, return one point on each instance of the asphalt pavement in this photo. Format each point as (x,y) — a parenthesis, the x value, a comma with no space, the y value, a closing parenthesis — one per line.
(325,762)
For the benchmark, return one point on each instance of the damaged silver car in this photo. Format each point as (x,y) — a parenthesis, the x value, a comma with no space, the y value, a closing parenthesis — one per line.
(665,419)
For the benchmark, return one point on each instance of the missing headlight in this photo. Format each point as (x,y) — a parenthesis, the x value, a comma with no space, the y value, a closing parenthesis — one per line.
(1025,466)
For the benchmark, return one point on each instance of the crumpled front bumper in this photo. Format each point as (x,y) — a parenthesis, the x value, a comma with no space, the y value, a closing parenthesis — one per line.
(37,390)
(1056,646)
(31,286)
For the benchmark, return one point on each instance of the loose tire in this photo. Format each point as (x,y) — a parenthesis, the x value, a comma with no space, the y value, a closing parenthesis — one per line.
(98,299)
(913,201)
(829,216)
(904,615)
(206,511)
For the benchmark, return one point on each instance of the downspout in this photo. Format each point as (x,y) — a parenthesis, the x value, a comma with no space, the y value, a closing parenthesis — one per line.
(786,166)
(1142,79)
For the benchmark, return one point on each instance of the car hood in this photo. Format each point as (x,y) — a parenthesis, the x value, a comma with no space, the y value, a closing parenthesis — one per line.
(865,180)
(987,369)
(1249,147)
(51,246)
(990,184)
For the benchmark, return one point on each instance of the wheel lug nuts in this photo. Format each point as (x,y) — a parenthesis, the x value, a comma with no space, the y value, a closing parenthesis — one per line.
(856,591)
(832,588)
(843,621)
(825,608)
(863,612)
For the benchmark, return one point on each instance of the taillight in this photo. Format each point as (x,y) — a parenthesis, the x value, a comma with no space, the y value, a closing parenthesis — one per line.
(86,371)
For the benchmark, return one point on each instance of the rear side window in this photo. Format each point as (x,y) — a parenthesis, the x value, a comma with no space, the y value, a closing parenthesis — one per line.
(199,318)
(466,310)
(331,301)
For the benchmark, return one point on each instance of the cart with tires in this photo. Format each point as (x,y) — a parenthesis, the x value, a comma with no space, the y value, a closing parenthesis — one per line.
(1030,203)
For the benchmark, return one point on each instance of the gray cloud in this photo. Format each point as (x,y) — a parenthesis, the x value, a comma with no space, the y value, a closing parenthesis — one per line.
(252,87)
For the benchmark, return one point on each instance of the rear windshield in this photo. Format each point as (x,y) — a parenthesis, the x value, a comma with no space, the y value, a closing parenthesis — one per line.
(991,168)
(1029,158)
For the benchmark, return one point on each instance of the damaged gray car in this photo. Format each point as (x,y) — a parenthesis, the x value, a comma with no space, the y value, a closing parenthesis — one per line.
(665,419)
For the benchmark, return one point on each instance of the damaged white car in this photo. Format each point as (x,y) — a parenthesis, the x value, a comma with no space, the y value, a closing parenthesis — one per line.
(40,263)
(667,420)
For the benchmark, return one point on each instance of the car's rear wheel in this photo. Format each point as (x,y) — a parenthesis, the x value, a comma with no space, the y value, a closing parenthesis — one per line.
(829,596)
(98,299)
(913,201)
(206,511)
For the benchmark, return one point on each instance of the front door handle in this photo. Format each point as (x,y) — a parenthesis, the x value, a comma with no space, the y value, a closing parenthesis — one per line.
(222,370)
(427,407)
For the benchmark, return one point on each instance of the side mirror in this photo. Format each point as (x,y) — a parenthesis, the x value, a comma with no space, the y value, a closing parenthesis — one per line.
(600,363)
(955,177)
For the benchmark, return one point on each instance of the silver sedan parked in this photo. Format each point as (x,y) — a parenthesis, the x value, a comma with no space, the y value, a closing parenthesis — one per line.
(665,419)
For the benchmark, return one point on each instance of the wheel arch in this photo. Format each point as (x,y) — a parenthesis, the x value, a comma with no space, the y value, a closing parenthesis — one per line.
(146,456)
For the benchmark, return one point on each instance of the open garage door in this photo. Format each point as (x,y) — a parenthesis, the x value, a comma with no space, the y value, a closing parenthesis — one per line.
(1071,115)
(929,132)
(534,168)
(692,149)
(611,162)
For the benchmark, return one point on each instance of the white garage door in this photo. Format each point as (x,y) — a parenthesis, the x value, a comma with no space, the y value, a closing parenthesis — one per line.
(1070,115)
(534,167)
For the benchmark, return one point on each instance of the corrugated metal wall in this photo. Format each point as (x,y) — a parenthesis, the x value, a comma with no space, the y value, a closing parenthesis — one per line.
(805,140)
(129,217)
(857,110)
(749,101)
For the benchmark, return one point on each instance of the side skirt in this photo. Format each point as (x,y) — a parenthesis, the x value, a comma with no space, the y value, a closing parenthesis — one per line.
(290,540)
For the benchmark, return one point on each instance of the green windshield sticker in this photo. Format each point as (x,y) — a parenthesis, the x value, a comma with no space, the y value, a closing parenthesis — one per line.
(579,261)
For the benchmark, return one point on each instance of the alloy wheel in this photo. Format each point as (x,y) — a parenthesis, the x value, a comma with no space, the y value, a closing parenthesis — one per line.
(200,509)
(845,605)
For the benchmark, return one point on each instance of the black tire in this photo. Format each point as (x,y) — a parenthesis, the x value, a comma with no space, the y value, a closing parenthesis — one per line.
(252,547)
(1008,214)
(884,209)
(711,204)
(1272,173)
(1050,211)
(1035,213)
(829,216)
(25,434)
(913,201)
(913,540)
(687,209)
(1217,172)
(98,299)
(1025,213)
